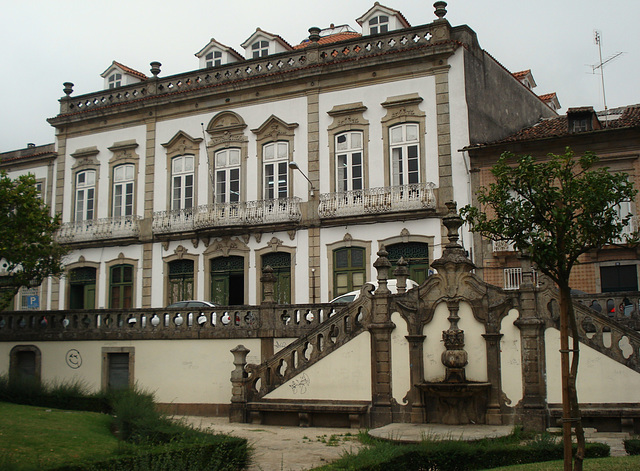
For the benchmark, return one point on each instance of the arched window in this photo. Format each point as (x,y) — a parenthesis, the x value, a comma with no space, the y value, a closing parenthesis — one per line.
(260,49)
(405,156)
(180,280)
(348,269)
(280,262)
(379,24)
(182,168)
(227,163)
(85,195)
(123,179)
(275,157)
(349,162)
(416,254)
(82,288)
(121,287)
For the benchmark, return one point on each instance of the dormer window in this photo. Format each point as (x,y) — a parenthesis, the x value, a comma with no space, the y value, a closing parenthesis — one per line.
(260,49)
(379,24)
(115,80)
(214,59)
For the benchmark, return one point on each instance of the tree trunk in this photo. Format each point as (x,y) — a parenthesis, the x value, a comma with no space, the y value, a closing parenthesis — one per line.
(573,389)
(565,373)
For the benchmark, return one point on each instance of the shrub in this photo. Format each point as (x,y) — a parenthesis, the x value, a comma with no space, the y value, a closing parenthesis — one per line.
(632,446)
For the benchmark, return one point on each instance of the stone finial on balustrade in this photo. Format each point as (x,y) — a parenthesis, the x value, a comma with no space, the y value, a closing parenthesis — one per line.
(268,281)
(401,273)
(155,68)
(441,9)
(239,385)
(383,265)
(68,89)
(314,34)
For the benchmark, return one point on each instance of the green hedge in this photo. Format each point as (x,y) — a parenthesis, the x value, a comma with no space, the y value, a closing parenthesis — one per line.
(632,446)
(460,456)
(219,454)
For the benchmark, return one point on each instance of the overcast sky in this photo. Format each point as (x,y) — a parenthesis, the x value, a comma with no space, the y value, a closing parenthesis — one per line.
(44,43)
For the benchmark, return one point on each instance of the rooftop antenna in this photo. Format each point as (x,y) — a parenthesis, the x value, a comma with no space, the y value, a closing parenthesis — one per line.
(597,38)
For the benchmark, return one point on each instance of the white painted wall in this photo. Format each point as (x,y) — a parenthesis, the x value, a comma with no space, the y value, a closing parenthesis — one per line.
(600,379)
(475,344)
(511,359)
(343,375)
(401,377)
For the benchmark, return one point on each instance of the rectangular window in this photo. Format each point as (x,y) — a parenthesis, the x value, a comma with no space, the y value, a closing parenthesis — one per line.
(85,194)
(121,288)
(227,176)
(349,161)
(182,180)
(123,177)
(275,156)
(117,367)
(405,155)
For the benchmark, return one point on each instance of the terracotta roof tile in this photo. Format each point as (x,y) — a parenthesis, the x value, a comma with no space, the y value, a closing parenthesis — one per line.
(548,96)
(623,117)
(521,74)
(332,38)
(131,71)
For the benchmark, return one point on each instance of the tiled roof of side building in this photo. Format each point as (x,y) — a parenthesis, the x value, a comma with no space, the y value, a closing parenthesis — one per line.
(521,74)
(547,96)
(333,38)
(625,117)
(131,71)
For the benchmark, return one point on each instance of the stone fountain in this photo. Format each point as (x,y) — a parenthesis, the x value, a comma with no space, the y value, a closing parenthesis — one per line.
(454,401)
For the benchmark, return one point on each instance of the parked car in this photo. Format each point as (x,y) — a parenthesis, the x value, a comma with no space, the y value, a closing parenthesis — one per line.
(191,304)
(353,295)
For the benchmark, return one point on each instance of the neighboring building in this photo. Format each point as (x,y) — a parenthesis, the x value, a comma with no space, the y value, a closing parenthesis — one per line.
(159,207)
(39,161)
(614,136)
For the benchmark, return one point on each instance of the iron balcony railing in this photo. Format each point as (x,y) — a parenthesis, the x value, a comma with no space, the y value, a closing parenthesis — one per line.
(106,228)
(228,214)
(378,200)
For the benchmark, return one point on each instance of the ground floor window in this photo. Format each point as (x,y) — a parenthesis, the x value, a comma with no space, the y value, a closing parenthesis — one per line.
(25,363)
(416,254)
(349,269)
(117,367)
(121,287)
(281,264)
(227,280)
(619,278)
(82,288)
(181,278)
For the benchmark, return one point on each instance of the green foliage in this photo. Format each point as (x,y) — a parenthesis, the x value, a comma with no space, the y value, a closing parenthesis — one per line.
(553,210)
(27,240)
(69,395)
(454,455)
(632,446)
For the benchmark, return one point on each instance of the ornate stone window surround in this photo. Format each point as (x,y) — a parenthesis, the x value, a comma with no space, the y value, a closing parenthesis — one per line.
(347,241)
(348,117)
(273,130)
(80,264)
(227,131)
(179,145)
(86,159)
(225,248)
(122,260)
(123,153)
(275,245)
(180,253)
(400,110)
(405,237)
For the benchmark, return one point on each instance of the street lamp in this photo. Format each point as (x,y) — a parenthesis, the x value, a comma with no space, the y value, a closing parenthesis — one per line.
(294,166)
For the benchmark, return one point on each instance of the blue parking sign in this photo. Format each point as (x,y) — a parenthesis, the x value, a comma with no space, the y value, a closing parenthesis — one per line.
(33,302)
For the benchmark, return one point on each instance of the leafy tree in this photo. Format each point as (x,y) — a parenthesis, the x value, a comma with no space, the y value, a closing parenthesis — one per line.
(27,242)
(554,211)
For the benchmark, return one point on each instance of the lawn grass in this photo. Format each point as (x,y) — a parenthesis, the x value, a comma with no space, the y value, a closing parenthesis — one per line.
(34,437)
(616,463)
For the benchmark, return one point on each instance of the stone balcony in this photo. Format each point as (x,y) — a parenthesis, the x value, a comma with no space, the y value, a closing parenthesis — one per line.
(247,213)
(378,200)
(106,228)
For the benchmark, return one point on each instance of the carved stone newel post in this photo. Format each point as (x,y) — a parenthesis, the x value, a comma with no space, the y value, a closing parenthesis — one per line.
(237,411)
